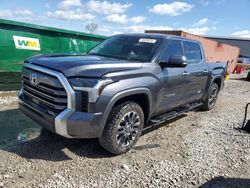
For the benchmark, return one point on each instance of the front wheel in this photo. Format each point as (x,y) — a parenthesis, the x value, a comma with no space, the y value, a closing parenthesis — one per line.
(123,128)
(213,92)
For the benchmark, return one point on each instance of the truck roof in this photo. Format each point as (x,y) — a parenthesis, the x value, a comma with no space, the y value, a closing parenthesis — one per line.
(157,36)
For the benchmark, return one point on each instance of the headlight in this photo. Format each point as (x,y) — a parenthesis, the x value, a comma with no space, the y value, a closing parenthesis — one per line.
(93,86)
(83,82)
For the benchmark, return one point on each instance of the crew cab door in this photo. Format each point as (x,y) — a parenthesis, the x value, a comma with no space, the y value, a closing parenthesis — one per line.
(173,84)
(196,71)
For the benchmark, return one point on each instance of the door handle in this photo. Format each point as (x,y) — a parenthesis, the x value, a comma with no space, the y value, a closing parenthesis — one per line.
(205,71)
(185,73)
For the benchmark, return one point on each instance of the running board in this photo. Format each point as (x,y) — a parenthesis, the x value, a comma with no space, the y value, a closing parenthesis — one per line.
(173,114)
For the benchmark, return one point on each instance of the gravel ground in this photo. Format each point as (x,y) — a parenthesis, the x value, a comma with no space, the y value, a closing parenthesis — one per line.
(197,149)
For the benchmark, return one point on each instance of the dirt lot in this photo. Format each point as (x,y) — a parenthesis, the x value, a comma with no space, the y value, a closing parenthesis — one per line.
(196,149)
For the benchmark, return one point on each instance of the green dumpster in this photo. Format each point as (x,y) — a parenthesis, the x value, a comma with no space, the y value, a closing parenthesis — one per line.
(18,41)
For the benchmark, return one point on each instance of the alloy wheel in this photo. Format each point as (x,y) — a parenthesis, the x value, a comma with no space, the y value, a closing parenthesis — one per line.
(213,96)
(128,129)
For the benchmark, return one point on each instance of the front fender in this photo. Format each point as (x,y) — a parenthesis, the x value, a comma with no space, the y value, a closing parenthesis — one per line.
(123,94)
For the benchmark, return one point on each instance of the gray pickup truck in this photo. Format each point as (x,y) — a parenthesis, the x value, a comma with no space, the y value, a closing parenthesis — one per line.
(125,82)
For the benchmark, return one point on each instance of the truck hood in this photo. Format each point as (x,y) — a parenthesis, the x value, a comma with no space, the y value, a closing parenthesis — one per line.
(84,65)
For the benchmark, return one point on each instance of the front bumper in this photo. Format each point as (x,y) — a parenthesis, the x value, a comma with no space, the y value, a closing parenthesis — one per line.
(68,123)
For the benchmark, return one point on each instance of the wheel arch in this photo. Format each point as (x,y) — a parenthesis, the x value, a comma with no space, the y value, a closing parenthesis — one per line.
(141,99)
(142,96)
(213,79)
(217,80)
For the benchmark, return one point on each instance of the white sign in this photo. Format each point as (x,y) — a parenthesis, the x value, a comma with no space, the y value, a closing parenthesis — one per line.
(26,43)
(147,40)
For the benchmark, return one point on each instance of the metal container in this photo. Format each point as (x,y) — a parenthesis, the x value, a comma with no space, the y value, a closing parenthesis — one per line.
(18,41)
(214,51)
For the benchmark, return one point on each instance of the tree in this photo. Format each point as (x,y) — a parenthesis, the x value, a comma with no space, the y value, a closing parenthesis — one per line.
(91,27)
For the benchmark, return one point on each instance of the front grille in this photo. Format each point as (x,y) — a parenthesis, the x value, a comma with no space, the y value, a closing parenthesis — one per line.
(47,95)
(85,101)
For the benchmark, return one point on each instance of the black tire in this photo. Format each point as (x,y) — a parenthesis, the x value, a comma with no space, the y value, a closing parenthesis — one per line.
(121,119)
(248,76)
(46,132)
(213,92)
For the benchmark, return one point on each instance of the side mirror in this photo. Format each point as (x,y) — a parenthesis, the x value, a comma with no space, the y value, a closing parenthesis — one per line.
(178,61)
(175,61)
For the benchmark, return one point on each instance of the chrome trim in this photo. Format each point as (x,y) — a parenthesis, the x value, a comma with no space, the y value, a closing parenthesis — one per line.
(61,119)
(61,78)
(61,122)
(94,92)
(20,92)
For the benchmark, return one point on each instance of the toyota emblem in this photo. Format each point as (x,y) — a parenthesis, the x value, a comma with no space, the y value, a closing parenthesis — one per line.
(33,79)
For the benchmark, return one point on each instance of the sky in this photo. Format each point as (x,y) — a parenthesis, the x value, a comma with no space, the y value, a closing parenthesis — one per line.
(204,17)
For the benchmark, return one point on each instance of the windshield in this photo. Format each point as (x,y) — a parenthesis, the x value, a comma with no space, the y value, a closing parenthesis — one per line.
(134,48)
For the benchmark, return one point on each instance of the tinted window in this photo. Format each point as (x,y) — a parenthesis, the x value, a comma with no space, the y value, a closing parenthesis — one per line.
(173,48)
(192,51)
(134,48)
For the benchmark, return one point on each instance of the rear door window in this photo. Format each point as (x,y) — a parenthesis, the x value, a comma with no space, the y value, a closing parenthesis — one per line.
(173,48)
(192,52)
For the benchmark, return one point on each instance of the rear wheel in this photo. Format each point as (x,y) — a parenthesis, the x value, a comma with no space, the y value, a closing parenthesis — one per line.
(213,92)
(123,128)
